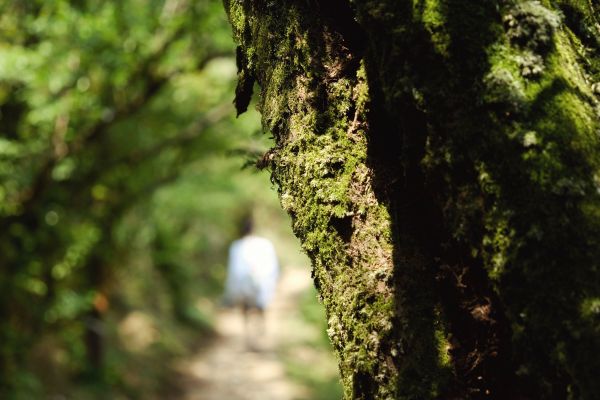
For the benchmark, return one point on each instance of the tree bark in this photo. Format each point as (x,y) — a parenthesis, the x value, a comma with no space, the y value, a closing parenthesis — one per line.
(439,159)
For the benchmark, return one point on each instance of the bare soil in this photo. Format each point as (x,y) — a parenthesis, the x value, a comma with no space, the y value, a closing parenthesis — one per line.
(240,367)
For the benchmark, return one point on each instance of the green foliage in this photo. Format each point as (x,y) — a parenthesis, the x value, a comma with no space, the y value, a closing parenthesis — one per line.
(116,134)
(318,375)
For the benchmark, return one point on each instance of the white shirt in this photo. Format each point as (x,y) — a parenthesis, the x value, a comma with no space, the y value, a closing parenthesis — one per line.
(252,271)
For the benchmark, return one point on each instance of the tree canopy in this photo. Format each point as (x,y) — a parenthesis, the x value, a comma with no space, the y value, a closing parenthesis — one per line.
(117,147)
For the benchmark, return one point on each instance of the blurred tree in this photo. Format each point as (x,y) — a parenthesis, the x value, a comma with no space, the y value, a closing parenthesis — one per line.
(99,108)
(439,159)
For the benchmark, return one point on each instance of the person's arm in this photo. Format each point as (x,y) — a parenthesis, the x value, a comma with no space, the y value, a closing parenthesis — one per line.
(230,280)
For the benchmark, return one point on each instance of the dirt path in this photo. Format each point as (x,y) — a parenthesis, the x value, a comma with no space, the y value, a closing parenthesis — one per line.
(230,370)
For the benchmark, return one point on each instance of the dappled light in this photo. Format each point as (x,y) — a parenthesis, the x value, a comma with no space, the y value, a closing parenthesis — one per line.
(299,200)
(230,369)
(123,174)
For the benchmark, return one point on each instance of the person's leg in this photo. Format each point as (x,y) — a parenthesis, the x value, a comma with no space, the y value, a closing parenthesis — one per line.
(261,323)
(246,321)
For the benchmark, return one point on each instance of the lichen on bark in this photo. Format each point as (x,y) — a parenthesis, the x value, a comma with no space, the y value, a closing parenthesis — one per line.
(314,100)
(439,159)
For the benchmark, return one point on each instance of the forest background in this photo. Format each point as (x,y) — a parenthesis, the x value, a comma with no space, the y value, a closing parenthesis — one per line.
(121,183)
(439,160)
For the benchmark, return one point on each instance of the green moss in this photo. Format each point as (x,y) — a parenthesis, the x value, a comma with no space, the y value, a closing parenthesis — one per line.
(507,105)
(432,15)
(502,88)
(581,17)
(531,25)
(237,17)
(319,156)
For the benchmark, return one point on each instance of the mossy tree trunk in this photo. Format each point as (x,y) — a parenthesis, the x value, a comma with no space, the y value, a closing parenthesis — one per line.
(439,159)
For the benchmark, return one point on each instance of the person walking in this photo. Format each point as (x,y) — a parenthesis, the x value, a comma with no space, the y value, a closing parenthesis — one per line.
(252,274)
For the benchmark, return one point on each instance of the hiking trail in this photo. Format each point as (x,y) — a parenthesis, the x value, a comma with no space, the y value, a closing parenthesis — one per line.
(228,369)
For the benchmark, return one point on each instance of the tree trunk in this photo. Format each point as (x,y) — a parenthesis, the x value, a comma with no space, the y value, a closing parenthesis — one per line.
(439,159)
